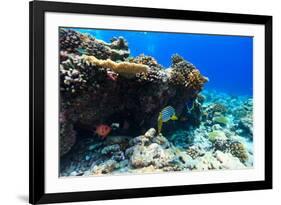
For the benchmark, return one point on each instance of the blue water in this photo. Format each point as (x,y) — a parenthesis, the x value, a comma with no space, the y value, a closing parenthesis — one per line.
(226,60)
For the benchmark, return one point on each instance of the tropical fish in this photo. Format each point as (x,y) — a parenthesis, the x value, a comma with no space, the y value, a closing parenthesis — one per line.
(103,130)
(167,113)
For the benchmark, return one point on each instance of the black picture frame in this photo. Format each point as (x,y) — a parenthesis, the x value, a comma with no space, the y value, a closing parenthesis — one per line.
(37,9)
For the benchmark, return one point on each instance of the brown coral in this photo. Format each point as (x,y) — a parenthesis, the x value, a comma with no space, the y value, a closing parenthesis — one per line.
(146,60)
(238,150)
(186,74)
(194,151)
(78,43)
(196,80)
(217,107)
(125,69)
(177,78)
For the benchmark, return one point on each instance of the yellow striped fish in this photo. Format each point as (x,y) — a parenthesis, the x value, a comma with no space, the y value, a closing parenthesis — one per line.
(167,113)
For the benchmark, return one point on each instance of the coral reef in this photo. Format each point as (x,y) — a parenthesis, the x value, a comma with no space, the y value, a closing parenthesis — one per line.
(220,108)
(216,135)
(207,147)
(221,120)
(111,105)
(97,89)
(185,74)
(195,151)
(77,43)
(238,150)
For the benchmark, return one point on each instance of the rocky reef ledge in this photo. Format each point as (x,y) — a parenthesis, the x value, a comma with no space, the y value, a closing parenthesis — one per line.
(100,83)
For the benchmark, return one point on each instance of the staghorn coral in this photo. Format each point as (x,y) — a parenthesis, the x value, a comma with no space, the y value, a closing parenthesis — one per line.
(125,69)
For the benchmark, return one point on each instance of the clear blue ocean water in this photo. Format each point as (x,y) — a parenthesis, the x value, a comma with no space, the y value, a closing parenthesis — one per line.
(226,60)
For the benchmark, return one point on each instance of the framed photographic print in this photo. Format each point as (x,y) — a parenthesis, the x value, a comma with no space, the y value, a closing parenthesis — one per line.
(140,102)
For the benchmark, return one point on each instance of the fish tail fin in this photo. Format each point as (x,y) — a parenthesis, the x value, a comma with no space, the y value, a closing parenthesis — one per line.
(174,117)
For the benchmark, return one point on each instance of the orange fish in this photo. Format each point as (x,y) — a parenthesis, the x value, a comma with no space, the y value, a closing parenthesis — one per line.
(103,130)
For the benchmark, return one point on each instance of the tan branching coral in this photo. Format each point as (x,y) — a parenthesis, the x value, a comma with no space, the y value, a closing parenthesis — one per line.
(177,78)
(196,80)
(146,60)
(125,69)
(185,74)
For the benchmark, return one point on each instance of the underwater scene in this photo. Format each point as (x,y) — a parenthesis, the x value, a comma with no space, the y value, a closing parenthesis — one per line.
(134,102)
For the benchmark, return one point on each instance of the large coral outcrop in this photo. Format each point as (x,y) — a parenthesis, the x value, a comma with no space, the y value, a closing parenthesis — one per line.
(101,84)
(185,74)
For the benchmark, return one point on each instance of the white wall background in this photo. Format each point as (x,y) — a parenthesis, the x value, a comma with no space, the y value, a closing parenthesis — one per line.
(14,100)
